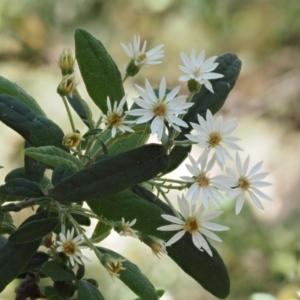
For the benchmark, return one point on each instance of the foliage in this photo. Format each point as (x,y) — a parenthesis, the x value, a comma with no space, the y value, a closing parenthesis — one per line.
(115,176)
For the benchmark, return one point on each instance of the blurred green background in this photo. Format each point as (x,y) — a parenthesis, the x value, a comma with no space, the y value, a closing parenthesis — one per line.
(262,249)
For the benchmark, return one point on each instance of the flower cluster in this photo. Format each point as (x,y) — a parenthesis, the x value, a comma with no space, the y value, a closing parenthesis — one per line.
(162,112)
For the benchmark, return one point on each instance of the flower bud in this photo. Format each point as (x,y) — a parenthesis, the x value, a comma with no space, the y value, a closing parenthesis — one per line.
(72,140)
(66,62)
(194,86)
(67,85)
(157,246)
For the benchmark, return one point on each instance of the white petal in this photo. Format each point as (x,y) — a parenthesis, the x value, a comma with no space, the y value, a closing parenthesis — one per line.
(176,237)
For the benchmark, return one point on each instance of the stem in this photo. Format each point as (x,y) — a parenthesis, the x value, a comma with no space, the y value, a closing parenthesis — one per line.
(169,180)
(176,213)
(125,77)
(69,113)
(85,108)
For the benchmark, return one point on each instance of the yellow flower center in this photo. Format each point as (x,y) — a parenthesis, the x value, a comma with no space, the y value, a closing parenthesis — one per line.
(192,225)
(215,139)
(115,268)
(141,58)
(70,248)
(160,110)
(203,180)
(244,183)
(114,119)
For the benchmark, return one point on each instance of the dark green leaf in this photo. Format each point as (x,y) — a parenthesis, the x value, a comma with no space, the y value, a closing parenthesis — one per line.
(133,277)
(16,115)
(82,220)
(101,76)
(33,231)
(13,259)
(92,132)
(130,206)
(16,173)
(60,174)
(36,261)
(55,157)
(34,170)
(88,291)
(22,188)
(112,174)
(57,271)
(101,232)
(9,88)
(74,102)
(229,66)
(209,271)
(45,132)
(51,293)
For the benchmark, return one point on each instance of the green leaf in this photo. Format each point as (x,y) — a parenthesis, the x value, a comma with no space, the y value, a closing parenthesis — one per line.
(88,291)
(229,66)
(58,271)
(45,132)
(22,188)
(13,259)
(34,170)
(208,271)
(32,231)
(76,105)
(100,74)
(133,277)
(16,115)
(112,174)
(130,206)
(51,293)
(101,232)
(9,88)
(36,261)
(55,157)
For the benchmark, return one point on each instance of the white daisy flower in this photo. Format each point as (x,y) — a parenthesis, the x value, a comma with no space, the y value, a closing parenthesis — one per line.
(115,119)
(70,246)
(126,229)
(159,109)
(247,183)
(204,185)
(214,135)
(198,69)
(194,223)
(141,58)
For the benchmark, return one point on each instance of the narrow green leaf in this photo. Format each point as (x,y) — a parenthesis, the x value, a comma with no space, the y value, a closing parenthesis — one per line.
(74,102)
(22,188)
(13,259)
(57,271)
(229,66)
(101,232)
(112,174)
(133,277)
(9,88)
(208,271)
(32,231)
(88,291)
(45,132)
(16,115)
(59,174)
(55,157)
(100,74)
